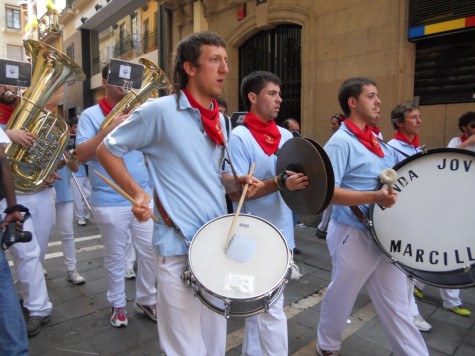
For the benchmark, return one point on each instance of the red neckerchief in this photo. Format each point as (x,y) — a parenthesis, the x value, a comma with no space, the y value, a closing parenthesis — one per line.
(266,134)
(366,137)
(6,112)
(375,130)
(463,138)
(105,106)
(209,117)
(399,136)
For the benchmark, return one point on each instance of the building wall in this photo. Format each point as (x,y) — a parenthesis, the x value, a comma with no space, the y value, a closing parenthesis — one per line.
(9,36)
(340,39)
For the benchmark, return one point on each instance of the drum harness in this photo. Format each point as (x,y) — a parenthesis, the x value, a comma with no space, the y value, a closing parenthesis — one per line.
(356,209)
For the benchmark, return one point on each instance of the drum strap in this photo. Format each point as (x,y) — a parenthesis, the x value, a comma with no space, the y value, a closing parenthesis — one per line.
(168,220)
(360,215)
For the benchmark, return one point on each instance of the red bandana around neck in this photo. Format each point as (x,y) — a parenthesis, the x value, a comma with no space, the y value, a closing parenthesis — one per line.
(266,134)
(366,137)
(463,138)
(399,136)
(210,118)
(375,130)
(6,112)
(105,106)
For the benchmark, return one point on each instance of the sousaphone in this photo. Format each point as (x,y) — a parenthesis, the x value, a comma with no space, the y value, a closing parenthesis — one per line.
(303,155)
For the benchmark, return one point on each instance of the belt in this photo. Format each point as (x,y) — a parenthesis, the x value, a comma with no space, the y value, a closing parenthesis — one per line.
(361,216)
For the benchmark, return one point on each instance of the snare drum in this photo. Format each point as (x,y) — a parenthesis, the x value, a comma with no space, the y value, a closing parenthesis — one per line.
(242,286)
(429,232)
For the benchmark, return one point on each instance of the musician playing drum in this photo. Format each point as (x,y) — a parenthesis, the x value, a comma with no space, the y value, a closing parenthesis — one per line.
(257,141)
(182,137)
(358,158)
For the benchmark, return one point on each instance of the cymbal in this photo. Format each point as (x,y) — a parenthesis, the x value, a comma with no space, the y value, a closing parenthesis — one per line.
(304,155)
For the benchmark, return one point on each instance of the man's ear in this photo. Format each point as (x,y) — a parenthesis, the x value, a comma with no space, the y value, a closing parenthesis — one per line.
(189,68)
(252,97)
(352,102)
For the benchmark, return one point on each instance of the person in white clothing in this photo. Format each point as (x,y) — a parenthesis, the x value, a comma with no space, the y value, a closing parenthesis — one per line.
(451,297)
(358,157)
(28,257)
(257,141)
(406,120)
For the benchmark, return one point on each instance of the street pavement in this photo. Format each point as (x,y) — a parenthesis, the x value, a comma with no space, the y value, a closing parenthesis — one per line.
(80,317)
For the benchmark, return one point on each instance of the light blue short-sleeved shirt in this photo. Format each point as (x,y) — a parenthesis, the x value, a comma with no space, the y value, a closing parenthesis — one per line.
(245,150)
(63,187)
(184,163)
(102,194)
(355,168)
(403,147)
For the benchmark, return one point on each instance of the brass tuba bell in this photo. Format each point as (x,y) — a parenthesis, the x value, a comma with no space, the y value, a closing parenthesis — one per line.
(153,79)
(30,166)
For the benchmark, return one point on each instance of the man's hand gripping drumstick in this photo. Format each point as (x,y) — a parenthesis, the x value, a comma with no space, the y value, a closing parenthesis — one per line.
(117,170)
(388,176)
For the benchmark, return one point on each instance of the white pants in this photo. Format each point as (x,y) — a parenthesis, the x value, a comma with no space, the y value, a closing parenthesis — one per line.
(64,227)
(266,333)
(26,256)
(43,213)
(129,254)
(327,214)
(80,207)
(412,300)
(450,297)
(115,224)
(357,261)
(186,327)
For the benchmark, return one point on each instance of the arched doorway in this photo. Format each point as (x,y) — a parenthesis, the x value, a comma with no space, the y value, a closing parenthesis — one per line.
(279,51)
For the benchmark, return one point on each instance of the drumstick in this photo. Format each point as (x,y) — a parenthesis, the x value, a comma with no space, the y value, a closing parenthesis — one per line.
(121,191)
(388,176)
(238,209)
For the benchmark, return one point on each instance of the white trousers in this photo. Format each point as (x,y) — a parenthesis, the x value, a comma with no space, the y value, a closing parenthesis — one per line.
(357,261)
(450,297)
(80,208)
(412,300)
(26,256)
(130,254)
(64,227)
(115,224)
(266,333)
(327,214)
(186,327)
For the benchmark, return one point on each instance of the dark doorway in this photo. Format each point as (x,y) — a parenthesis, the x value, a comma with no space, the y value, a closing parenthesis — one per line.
(279,51)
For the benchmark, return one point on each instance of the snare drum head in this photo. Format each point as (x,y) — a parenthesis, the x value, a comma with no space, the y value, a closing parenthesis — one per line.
(430,228)
(265,267)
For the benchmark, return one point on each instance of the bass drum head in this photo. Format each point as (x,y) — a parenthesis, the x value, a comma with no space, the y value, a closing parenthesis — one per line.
(265,265)
(303,155)
(429,231)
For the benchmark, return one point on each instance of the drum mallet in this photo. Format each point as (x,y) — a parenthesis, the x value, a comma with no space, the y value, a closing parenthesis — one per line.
(388,176)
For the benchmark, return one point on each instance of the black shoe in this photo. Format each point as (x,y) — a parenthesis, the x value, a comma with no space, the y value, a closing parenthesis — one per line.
(297,251)
(321,234)
(34,324)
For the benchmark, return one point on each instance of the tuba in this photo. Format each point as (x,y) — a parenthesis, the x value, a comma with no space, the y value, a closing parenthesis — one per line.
(153,79)
(30,166)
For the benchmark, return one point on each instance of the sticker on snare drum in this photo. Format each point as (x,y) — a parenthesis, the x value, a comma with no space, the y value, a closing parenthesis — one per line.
(239,283)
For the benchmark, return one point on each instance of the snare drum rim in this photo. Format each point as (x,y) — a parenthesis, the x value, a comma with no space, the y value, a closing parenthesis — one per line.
(371,216)
(282,278)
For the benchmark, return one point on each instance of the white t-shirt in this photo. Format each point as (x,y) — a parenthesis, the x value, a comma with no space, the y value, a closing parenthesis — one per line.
(456,141)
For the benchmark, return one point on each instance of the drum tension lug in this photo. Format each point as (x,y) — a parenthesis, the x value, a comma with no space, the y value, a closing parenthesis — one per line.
(186,277)
(227,308)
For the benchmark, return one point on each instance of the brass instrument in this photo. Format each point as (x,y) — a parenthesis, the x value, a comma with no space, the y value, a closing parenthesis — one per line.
(153,79)
(30,166)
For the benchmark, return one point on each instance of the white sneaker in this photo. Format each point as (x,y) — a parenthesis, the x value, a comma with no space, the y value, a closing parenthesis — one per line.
(74,277)
(421,324)
(129,273)
(82,222)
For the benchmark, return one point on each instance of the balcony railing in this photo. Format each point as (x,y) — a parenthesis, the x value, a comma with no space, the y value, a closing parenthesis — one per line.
(125,46)
(48,24)
(149,42)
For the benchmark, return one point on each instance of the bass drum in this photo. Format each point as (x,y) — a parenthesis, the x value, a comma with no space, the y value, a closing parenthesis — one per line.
(429,232)
(248,278)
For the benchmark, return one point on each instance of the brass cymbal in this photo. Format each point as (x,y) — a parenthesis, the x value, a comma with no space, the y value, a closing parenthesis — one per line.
(306,156)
